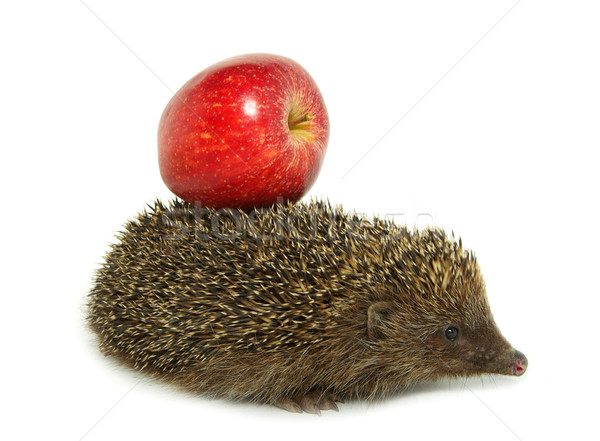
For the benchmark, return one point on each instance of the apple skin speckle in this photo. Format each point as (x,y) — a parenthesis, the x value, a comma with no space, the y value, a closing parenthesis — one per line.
(225,139)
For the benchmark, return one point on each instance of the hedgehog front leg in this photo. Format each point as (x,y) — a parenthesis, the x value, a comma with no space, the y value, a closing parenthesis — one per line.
(313,402)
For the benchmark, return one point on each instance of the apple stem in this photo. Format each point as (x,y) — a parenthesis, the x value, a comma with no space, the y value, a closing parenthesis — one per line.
(295,120)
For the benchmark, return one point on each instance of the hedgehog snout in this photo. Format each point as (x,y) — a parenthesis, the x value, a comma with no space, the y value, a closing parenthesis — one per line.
(518,364)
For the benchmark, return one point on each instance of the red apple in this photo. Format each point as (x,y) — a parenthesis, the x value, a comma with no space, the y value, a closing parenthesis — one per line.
(244,133)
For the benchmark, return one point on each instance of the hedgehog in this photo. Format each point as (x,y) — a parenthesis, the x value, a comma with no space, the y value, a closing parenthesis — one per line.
(300,306)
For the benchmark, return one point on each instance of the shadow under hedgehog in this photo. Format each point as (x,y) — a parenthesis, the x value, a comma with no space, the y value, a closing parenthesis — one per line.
(298,306)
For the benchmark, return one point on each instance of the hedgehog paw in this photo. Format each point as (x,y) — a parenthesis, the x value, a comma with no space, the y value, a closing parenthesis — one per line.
(311,402)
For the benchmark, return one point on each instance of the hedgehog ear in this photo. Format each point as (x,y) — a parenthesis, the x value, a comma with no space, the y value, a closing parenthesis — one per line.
(377,319)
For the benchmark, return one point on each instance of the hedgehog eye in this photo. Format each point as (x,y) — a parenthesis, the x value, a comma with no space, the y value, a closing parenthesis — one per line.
(451,333)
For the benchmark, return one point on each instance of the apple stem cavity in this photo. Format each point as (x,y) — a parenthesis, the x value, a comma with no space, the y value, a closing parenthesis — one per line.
(299,121)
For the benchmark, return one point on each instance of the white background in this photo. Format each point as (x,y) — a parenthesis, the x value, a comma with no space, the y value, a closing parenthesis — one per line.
(496,138)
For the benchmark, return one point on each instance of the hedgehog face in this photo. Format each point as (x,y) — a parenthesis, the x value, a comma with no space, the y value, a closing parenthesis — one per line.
(449,335)
(466,340)
(458,349)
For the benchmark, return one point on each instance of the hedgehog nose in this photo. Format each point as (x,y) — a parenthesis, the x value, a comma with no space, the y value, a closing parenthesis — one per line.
(519,363)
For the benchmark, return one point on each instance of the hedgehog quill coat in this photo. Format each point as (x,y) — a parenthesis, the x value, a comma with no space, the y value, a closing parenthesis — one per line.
(299,305)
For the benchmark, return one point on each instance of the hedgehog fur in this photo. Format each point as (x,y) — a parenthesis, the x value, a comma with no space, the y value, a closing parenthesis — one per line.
(298,305)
